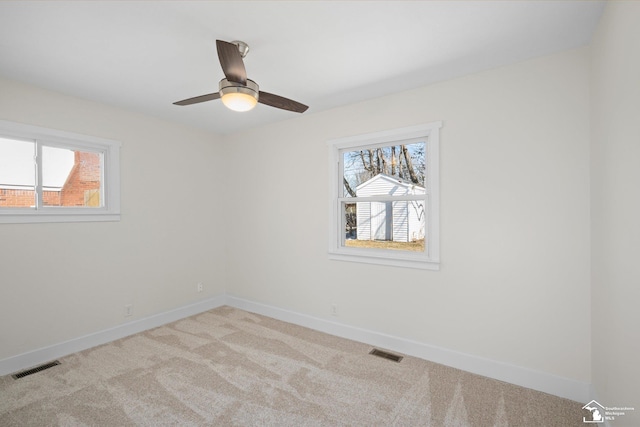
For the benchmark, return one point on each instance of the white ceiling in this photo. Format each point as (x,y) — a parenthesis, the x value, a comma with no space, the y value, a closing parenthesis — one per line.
(145,55)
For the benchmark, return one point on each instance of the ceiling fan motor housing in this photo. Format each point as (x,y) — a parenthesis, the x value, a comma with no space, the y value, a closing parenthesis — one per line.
(244,97)
(251,88)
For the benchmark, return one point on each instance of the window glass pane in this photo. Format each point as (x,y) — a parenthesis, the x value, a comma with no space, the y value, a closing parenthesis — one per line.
(71,178)
(17,173)
(398,225)
(391,170)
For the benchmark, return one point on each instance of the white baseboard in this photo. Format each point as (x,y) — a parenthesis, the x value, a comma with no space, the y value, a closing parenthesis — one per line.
(46,354)
(541,381)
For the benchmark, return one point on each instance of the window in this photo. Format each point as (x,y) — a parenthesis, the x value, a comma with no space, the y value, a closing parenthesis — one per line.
(385,198)
(52,176)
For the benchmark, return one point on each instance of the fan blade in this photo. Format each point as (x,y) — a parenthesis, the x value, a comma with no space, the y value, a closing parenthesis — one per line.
(231,62)
(281,102)
(198,99)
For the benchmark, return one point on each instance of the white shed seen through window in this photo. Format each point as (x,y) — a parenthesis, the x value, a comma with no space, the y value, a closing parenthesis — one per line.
(384,198)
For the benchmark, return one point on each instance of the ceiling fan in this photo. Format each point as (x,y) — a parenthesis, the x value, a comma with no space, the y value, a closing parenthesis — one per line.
(236,91)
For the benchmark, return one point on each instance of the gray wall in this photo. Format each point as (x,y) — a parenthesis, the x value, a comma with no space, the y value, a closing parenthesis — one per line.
(615,207)
(514,280)
(63,281)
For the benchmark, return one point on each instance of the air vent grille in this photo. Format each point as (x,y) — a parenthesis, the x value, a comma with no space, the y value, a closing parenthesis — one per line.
(34,370)
(386,355)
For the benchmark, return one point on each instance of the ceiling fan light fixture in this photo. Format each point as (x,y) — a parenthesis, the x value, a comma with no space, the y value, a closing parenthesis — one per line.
(238,97)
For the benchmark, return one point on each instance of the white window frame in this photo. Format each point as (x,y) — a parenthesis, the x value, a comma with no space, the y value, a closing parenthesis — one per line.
(110,150)
(430,258)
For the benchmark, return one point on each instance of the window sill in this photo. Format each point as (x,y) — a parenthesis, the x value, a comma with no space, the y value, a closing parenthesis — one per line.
(386,258)
(60,217)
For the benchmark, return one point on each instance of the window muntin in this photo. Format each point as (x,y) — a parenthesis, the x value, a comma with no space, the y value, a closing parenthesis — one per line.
(53,176)
(385,197)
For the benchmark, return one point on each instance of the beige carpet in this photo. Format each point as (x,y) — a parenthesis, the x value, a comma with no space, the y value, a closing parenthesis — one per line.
(227,367)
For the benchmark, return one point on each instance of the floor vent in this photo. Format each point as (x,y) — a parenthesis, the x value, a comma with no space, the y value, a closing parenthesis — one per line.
(386,355)
(34,370)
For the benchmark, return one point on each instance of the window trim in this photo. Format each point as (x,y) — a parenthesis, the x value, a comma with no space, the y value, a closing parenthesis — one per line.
(56,138)
(430,259)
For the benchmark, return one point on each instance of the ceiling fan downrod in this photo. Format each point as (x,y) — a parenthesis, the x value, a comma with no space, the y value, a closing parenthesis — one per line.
(243,48)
